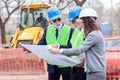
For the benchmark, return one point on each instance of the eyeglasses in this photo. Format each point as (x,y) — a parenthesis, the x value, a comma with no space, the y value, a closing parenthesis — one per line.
(55,20)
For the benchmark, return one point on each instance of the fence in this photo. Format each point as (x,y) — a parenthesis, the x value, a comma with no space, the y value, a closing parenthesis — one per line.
(17,64)
(14,62)
(113,65)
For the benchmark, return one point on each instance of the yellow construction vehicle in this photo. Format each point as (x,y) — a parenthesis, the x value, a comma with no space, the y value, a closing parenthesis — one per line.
(30,31)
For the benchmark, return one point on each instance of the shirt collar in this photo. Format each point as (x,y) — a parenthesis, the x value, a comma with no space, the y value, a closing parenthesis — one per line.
(59,28)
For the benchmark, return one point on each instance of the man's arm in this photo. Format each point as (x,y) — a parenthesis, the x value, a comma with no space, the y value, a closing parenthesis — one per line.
(43,40)
(46,22)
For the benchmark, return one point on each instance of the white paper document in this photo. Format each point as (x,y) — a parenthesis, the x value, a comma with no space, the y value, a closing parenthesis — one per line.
(56,59)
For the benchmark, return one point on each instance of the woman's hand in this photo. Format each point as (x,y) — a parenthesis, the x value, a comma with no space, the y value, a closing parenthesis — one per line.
(54,50)
(81,63)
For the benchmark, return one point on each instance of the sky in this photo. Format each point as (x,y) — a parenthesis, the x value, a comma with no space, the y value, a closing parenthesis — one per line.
(107,3)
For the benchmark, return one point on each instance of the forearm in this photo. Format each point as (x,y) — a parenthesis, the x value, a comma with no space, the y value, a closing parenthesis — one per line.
(75,51)
(43,40)
(89,41)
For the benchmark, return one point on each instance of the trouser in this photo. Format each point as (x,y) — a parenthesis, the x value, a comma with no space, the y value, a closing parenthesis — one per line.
(54,73)
(78,73)
(96,75)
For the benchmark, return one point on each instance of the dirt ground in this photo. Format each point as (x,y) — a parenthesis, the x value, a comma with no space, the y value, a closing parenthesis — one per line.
(23,77)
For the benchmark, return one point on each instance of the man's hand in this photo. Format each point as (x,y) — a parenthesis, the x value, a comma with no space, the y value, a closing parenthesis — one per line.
(54,50)
(55,45)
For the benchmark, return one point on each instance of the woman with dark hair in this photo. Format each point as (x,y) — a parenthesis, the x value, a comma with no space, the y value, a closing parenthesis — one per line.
(89,24)
(93,46)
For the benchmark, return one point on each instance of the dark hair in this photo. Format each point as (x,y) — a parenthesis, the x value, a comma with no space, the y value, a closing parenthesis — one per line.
(90,24)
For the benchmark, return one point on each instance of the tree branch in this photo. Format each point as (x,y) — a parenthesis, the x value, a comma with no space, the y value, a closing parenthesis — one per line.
(79,3)
(49,1)
(10,13)
(6,5)
(9,2)
(58,3)
(66,5)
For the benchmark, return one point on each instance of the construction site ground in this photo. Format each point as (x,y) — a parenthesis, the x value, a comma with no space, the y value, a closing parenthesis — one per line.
(24,77)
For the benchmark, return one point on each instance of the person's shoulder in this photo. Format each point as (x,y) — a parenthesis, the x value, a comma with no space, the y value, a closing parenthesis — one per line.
(92,34)
(45,29)
(67,26)
(96,34)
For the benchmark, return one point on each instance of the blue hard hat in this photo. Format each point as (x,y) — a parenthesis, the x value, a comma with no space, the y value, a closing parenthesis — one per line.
(74,12)
(53,13)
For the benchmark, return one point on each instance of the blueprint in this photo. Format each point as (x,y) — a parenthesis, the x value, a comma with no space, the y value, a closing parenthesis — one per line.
(56,59)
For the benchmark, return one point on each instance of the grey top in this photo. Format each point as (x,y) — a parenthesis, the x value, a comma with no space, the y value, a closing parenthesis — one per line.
(94,48)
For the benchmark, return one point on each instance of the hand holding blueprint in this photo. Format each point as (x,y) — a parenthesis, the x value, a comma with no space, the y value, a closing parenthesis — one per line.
(56,59)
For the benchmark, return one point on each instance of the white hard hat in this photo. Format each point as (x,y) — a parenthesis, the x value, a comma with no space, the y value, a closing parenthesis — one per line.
(88,12)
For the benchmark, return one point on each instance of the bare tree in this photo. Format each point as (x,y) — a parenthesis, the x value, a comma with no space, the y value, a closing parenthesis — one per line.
(117,14)
(7,6)
(116,18)
(62,4)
